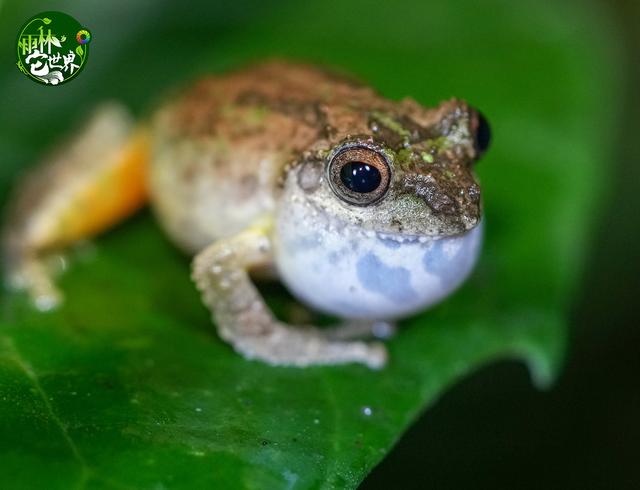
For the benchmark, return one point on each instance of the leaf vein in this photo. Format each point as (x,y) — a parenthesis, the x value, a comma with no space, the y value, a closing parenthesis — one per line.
(15,356)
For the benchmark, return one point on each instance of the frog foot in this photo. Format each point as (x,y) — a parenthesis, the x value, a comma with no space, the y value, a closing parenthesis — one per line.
(285,345)
(33,276)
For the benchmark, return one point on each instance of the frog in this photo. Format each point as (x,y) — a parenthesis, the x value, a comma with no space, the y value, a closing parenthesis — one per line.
(367,209)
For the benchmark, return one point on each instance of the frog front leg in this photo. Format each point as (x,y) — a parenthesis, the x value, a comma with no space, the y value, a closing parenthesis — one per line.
(221,273)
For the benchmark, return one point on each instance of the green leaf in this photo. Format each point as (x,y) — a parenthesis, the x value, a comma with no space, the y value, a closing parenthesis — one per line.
(128,386)
(46,20)
(79,51)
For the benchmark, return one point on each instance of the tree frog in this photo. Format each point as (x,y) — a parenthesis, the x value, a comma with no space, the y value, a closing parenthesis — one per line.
(366,208)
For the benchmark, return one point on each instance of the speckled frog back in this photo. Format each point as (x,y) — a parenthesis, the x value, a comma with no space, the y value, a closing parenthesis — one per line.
(220,150)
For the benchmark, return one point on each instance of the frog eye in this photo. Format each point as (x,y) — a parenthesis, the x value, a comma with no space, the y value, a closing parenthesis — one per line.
(482,132)
(359,175)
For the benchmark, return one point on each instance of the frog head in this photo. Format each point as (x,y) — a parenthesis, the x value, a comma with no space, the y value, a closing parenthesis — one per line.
(393,210)
(403,176)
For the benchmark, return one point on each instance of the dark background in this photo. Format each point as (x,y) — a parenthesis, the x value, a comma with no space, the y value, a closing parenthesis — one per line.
(495,430)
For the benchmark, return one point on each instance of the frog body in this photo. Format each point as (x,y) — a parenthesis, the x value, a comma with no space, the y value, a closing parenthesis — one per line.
(368,209)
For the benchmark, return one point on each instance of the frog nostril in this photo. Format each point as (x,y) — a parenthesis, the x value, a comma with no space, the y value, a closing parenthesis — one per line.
(483,134)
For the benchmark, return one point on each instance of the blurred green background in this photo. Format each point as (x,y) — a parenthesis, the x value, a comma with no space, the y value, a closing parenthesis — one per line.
(493,430)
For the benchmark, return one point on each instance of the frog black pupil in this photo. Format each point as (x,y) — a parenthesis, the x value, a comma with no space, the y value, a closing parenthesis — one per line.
(483,134)
(360,177)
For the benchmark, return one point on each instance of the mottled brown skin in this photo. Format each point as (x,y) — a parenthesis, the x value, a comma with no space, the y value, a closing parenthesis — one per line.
(292,114)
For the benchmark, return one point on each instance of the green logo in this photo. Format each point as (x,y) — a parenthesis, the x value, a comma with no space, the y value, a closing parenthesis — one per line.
(52,48)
